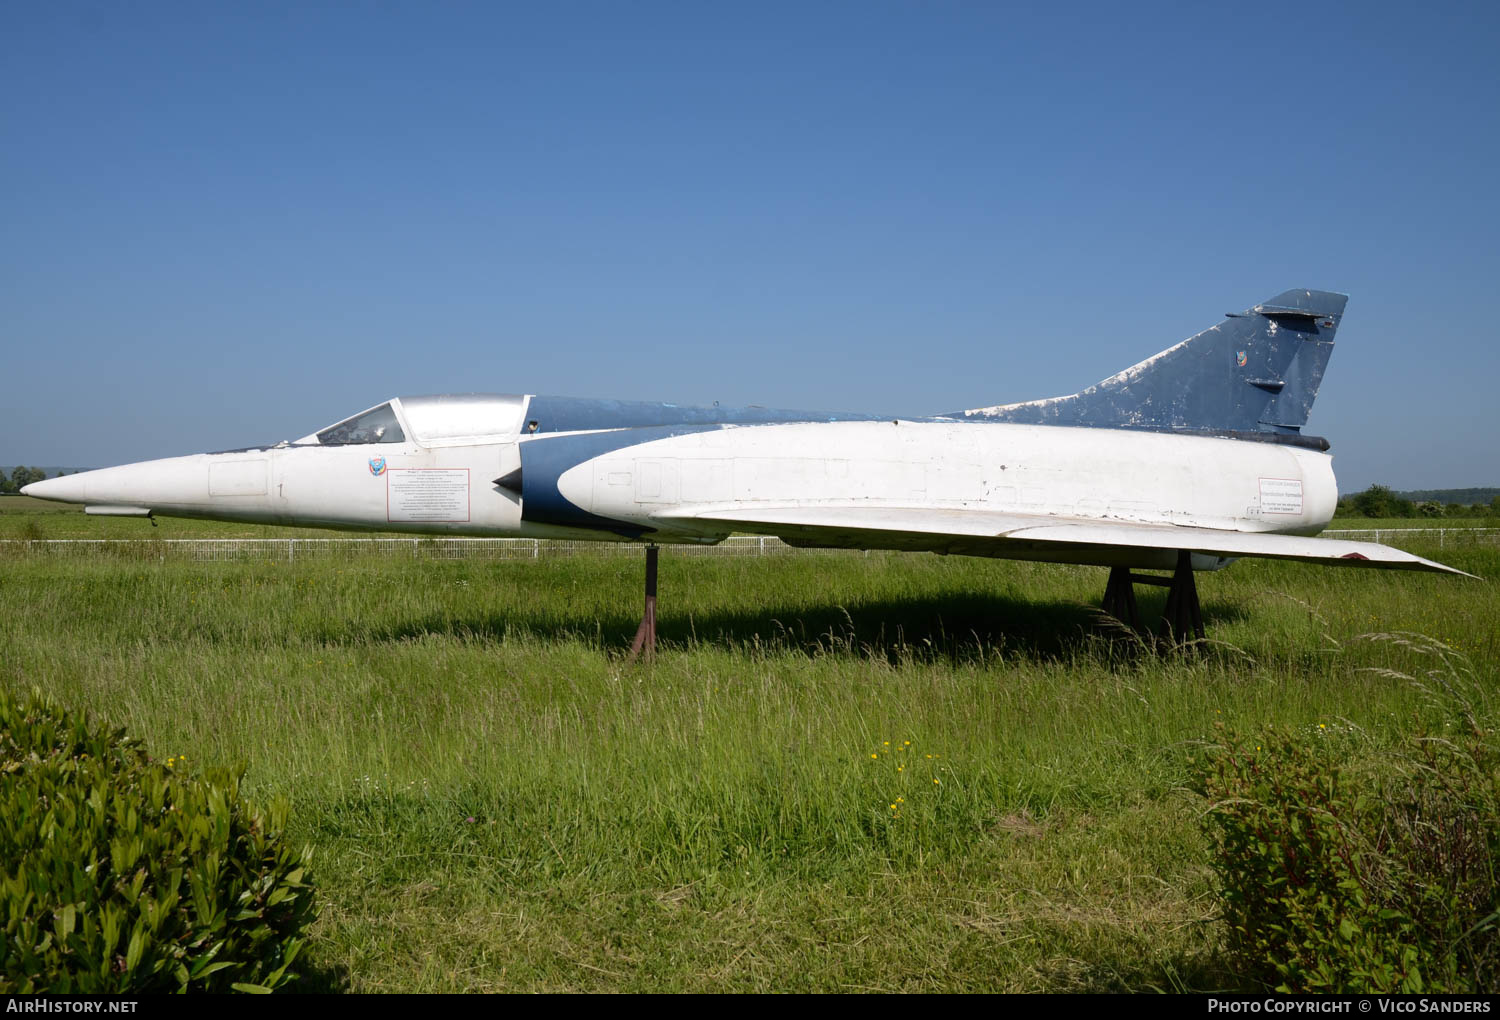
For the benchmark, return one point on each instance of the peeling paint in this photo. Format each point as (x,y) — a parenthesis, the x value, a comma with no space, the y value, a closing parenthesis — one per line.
(1207,382)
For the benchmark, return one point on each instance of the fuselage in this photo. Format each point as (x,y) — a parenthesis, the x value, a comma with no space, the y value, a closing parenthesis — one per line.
(551,467)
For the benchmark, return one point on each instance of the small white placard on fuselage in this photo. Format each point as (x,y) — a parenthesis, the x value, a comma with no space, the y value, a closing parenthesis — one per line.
(439,495)
(1281,495)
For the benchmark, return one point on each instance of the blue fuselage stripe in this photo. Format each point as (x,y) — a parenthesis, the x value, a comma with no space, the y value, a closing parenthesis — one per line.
(577,414)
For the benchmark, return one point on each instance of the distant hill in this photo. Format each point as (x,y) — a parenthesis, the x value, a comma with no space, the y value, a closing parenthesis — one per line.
(1463,497)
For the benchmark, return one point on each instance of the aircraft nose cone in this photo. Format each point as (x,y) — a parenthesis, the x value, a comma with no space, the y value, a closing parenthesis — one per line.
(68,489)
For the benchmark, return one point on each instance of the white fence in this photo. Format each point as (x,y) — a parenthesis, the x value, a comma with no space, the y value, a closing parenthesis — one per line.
(438,548)
(1396,536)
(427,548)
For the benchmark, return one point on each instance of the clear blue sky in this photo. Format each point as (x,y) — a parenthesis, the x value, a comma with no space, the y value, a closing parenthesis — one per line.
(226,224)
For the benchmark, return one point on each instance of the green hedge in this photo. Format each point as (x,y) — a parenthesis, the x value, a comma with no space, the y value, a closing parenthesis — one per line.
(123,873)
(1343,872)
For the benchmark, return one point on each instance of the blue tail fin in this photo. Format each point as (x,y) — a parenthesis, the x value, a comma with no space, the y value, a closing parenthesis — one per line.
(1257,371)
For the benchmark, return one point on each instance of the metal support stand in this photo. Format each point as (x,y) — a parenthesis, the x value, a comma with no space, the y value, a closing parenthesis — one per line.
(1183,615)
(1119,598)
(645,635)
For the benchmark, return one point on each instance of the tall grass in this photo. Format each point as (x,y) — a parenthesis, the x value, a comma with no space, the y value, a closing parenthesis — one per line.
(496,800)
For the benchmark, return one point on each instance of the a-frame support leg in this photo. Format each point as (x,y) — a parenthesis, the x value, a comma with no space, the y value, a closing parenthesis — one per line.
(1119,598)
(1183,614)
(1181,621)
(645,635)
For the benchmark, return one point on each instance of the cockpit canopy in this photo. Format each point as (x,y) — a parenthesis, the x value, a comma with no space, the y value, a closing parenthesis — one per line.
(444,420)
(463,416)
(374,426)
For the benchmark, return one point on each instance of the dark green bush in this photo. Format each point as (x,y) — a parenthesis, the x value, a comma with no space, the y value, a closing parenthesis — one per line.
(121,873)
(1337,875)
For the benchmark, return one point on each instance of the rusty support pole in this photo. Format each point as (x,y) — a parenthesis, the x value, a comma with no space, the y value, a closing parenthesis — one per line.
(645,635)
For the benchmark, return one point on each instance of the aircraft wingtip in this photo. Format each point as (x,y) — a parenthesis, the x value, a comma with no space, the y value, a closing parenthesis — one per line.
(1443,568)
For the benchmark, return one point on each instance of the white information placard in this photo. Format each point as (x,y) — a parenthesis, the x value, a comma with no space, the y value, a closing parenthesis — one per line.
(1281,495)
(439,495)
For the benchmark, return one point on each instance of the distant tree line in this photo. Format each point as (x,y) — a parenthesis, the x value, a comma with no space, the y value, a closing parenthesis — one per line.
(22,476)
(1382,501)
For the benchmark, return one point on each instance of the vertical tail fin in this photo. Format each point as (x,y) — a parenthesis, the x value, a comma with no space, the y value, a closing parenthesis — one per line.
(1257,371)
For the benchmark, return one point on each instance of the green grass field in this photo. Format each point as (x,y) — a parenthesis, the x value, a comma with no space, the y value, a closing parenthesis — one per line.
(496,801)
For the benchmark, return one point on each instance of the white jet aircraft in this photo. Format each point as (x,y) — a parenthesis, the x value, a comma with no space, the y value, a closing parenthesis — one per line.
(1182,462)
